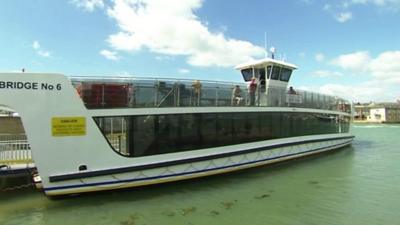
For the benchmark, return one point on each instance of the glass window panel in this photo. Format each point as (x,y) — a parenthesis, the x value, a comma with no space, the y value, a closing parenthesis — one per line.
(247,74)
(275,125)
(224,128)
(296,127)
(209,130)
(252,127)
(259,72)
(137,136)
(285,74)
(285,123)
(143,141)
(240,133)
(165,135)
(189,138)
(145,96)
(275,72)
(265,126)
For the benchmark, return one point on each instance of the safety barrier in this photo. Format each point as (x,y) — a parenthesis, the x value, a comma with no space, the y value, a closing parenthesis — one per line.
(14,149)
(100,93)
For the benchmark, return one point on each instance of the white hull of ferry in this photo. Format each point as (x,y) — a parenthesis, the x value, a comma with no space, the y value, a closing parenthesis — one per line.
(276,151)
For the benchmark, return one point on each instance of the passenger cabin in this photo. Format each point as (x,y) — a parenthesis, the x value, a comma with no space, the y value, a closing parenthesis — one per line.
(272,77)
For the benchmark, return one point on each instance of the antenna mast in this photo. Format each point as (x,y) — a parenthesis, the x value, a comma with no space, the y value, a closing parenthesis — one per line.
(265,45)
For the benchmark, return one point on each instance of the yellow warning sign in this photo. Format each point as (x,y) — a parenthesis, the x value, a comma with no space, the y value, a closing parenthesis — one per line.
(68,126)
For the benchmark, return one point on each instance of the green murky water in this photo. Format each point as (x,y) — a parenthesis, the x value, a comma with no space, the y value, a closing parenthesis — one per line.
(355,185)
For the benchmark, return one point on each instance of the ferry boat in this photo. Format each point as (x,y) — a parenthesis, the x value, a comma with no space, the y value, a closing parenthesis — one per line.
(101,133)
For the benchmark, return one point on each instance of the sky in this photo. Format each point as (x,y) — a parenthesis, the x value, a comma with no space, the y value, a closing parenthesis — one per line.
(347,48)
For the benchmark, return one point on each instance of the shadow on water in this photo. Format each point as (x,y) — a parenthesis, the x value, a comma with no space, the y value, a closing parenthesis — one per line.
(363,143)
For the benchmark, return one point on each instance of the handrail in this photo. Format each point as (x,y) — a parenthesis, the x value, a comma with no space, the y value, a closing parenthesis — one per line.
(143,93)
(14,149)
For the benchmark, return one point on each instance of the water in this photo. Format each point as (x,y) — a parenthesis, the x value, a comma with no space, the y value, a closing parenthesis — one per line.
(355,185)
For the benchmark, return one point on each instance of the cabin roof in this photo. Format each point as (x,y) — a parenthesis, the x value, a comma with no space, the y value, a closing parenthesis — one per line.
(265,61)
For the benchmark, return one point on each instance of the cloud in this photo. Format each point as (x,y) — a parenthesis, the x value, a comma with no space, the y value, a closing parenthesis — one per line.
(327,7)
(184,71)
(342,10)
(326,73)
(36,45)
(39,50)
(343,17)
(387,4)
(307,1)
(172,28)
(356,62)
(386,65)
(363,92)
(319,57)
(109,55)
(302,54)
(88,5)
(374,90)
(382,72)
(164,57)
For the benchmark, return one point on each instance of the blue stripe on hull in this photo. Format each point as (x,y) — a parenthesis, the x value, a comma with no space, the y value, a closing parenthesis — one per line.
(192,172)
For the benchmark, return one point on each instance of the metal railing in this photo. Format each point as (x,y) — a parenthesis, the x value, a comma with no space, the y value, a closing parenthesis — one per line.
(118,142)
(152,92)
(14,149)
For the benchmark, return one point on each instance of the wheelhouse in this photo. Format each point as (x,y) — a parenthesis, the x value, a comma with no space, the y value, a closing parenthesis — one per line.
(269,72)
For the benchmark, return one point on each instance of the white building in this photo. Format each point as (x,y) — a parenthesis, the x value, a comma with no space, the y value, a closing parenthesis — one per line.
(385,113)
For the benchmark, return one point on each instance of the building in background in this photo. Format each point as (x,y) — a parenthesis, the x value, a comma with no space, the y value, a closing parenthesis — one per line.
(385,112)
(361,111)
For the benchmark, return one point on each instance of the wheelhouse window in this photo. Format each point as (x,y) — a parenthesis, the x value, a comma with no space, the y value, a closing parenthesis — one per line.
(276,70)
(247,74)
(285,74)
(259,72)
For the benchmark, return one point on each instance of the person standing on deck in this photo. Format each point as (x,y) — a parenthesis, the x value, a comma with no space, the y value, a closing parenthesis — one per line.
(236,95)
(291,91)
(197,92)
(252,91)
